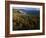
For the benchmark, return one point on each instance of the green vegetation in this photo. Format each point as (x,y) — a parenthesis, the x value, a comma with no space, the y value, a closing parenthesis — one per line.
(25,22)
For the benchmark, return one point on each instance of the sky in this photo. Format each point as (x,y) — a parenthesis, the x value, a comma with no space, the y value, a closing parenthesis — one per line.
(25,8)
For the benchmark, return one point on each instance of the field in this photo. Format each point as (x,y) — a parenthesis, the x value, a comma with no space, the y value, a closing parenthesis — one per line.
(26,20)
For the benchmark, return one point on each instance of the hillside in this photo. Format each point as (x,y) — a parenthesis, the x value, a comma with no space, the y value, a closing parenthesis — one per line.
(23,21)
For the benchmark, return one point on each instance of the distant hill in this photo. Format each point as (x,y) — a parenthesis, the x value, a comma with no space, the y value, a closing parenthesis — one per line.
(33,12)
(24,11)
